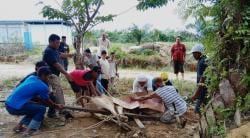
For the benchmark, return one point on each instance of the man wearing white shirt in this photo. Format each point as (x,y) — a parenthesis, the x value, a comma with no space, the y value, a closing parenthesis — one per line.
(103,43)
(104,64)
(142,83)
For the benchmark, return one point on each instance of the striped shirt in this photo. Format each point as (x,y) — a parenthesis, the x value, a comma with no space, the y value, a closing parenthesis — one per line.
(169,96)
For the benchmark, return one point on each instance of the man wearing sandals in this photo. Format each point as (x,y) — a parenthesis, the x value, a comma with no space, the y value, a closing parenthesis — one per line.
(19,102)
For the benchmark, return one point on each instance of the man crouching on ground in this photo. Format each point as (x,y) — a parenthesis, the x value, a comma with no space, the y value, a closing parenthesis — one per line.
(19,102)
(172,100)
(83,82)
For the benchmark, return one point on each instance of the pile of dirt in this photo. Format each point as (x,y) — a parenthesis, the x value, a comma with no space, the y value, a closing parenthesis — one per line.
(14,58)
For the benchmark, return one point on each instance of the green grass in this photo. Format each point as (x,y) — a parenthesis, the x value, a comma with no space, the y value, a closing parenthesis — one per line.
(186,88)
(10,83)
(122,44)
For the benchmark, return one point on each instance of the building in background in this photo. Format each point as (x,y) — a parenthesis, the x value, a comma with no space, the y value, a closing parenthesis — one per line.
(32,33)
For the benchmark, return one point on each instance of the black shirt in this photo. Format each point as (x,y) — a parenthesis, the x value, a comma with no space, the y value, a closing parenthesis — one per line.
(63,48)
(51,56)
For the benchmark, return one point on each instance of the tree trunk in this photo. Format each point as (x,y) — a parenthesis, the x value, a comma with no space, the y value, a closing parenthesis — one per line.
(78,58)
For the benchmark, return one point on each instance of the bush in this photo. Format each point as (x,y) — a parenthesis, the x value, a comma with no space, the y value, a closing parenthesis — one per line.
(145,52)
(120,54)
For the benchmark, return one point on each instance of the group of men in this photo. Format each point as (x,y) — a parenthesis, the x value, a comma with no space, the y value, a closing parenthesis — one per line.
(33,94)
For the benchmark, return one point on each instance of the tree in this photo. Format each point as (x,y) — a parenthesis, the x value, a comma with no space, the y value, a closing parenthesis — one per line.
(137,33)
(82,14)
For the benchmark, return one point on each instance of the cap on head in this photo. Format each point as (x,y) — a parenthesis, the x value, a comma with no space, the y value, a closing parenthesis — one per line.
(142,78)
(164,76)
(198,48)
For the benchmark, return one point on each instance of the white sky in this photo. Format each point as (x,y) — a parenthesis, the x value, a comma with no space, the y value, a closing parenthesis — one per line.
(160,18)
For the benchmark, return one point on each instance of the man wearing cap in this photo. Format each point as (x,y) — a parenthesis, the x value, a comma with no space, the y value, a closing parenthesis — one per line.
(64,52)
(173,102)
(166,81)
(178,54)
(201,91)
(142,83)
(19,101)
(83,82)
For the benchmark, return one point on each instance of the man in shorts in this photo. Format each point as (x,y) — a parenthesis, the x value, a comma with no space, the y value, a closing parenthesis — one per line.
(178,54)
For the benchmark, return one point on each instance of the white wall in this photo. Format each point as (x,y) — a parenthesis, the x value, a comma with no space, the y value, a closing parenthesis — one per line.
(40,33)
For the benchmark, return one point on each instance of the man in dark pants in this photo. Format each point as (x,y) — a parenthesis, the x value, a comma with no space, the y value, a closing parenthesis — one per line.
(64,49)
(178,54)
(52,57)
(38,65)
(201,91)
(19,102)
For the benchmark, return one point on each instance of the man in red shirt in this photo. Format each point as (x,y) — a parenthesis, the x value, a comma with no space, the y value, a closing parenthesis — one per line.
(178,54)
(83,80)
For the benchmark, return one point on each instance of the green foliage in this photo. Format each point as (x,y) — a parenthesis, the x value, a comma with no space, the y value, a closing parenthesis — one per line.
(212,79)
(10,83)
(82,14)
(34,51)
(246,106)
(185,88)
(120,54)
(146,4)
(217,130)
(226,113)
(145,52)
(145,35)
(137,33)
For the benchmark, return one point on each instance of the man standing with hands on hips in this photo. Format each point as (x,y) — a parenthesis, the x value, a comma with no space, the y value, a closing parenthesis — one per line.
(178,54)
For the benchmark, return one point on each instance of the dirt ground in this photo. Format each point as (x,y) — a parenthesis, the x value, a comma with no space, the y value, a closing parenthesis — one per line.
(82,124)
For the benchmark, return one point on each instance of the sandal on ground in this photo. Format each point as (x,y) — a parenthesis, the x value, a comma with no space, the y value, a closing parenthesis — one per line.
(19,129)
(31,133)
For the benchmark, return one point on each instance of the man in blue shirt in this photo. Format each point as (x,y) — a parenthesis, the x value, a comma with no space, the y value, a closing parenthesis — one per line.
(19,101)
(39,64)
(201,91)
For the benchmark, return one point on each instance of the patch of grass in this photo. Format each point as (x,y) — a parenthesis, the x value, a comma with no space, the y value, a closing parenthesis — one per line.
(185,88)
(122,87)
(36,50)
(66,87)
(10,83)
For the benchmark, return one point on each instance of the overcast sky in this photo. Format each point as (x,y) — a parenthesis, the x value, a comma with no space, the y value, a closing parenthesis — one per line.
(160,18)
